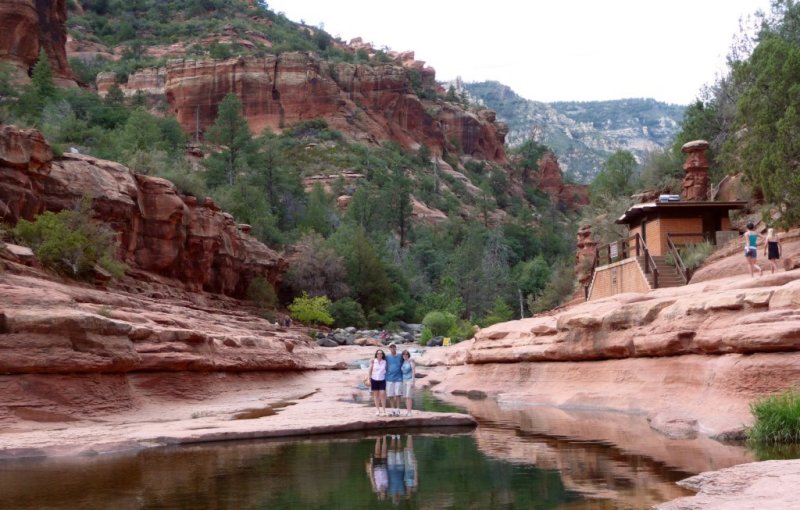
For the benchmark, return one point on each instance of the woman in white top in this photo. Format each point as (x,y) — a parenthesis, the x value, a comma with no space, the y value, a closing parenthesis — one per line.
(377,382)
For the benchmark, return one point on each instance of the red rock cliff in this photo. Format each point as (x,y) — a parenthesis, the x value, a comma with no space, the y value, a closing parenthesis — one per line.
(26,27)
(550,179)
(369,103)
(160,230)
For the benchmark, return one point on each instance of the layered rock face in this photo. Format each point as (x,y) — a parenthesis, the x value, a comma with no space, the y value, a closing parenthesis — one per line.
(550,179)
(159,229)
(369,103)
(691,357)
(26,27)
(71,352)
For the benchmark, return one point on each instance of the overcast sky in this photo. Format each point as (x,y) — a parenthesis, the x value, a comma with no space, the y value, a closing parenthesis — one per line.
(558,50)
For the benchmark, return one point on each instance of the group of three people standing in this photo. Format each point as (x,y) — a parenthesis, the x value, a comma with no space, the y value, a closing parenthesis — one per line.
(391,376)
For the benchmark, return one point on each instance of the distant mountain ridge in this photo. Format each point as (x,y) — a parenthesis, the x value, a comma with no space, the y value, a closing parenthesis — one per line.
(582,134)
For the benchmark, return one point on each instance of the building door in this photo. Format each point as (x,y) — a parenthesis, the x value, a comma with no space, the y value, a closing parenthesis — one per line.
(711,223)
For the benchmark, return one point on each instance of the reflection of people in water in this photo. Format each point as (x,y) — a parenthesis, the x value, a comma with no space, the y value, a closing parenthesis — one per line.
(410,474)
(401,470)
(376,468)
(397,468)
(393,471)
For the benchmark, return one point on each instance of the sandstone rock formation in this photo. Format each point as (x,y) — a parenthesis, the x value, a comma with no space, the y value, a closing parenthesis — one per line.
(371,104)
(695,182)
(585,253)
(755,486)
(159,229)
(550,179)
(737,338)
(28,26)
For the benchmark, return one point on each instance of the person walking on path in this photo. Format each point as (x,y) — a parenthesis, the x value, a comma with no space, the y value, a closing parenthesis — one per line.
(377,382)
(394,379)
(773,249)
(751,238)
(408,370)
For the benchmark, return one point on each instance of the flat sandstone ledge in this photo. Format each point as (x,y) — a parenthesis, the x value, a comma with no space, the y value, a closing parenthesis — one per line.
(95,439)
(755,486)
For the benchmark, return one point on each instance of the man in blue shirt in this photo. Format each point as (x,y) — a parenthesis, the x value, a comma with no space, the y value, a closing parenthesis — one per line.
(394,380)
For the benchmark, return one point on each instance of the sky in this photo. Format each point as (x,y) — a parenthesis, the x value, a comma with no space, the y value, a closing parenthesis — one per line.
(558,50)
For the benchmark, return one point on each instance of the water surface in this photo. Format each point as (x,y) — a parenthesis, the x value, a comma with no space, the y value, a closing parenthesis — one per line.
(517,458)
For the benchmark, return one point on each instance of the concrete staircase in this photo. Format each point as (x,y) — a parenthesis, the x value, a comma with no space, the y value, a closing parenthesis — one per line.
(667,275)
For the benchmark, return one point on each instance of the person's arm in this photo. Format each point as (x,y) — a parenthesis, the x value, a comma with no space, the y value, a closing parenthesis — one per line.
(369,373)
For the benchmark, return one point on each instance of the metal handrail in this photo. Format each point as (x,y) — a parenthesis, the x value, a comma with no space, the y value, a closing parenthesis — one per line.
(680,267)
(649,263)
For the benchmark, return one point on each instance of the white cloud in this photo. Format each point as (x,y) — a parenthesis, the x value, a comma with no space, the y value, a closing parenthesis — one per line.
(576,50)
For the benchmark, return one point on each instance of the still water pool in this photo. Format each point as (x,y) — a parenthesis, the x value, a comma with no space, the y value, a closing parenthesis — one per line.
(517,458)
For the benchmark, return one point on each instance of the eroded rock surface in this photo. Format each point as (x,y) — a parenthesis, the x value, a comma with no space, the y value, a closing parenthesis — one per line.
(754,486)
(159,229)
(28,26)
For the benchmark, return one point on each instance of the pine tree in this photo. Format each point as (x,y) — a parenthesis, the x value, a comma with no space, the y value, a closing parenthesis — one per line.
(230,131)
(42,77)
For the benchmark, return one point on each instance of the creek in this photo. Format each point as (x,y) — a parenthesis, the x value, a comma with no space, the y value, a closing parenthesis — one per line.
(519,457)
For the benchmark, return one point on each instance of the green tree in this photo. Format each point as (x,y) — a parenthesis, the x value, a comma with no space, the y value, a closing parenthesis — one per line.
(367,274)
(619,177)
(311,310)
(42,77)
(41,90)
(320,215)
(532,276)
(231,133)
(768,119)
(395,201)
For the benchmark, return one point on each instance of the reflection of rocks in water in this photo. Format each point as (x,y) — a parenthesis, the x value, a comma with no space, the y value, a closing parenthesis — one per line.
(600,455)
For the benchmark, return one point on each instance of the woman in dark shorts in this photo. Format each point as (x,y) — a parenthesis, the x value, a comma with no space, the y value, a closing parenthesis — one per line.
(772,249)
(377,382)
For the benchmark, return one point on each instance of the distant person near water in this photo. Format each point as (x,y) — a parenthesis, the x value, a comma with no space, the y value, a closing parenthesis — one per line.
(394,380)
(773,249)
(377,382)
(751,239)
(408,369)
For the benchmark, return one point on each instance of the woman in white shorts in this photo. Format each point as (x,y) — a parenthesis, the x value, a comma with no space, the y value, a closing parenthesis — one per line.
(408,369)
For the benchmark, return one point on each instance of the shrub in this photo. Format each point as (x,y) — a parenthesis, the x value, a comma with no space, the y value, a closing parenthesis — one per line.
(71,242)
(693,255)
(261,292)
(347,312)
(777,418)
(500,313)
(311,310)
(461,330)
(439,323)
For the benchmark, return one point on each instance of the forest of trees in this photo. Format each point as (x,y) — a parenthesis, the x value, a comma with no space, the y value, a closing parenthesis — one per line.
(373,264)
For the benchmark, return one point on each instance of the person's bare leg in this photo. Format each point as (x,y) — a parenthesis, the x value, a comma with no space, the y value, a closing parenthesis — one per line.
(376,400)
